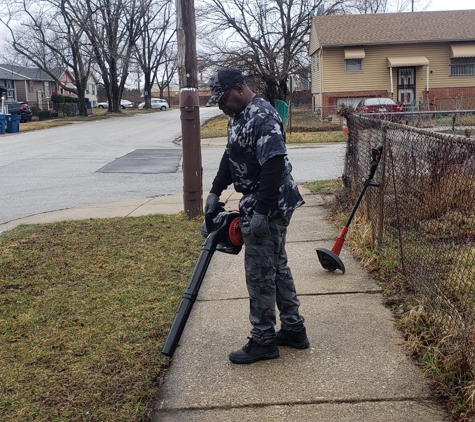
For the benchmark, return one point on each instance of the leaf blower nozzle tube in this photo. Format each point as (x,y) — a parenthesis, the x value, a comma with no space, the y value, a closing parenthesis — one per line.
(224,236)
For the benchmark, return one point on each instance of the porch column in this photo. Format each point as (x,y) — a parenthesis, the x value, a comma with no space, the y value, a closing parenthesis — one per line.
(427,79)
(391,79)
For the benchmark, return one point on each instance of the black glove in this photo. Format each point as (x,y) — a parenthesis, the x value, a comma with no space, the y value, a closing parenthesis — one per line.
(260,225)
(211,203)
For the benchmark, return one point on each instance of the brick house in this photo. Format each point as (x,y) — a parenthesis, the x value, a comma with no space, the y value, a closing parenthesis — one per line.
(421,59)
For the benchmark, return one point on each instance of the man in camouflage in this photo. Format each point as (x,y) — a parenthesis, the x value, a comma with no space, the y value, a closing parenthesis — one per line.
(255,161)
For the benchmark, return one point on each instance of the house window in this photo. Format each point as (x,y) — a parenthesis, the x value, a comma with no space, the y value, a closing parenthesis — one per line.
(462,66)
(30,86)
(353,65)
(10,89)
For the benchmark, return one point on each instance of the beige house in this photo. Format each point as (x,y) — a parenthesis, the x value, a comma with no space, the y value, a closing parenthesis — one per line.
(420,59)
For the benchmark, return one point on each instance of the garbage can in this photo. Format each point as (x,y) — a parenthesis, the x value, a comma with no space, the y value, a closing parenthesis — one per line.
(13,123)
(283,110)
(3,124)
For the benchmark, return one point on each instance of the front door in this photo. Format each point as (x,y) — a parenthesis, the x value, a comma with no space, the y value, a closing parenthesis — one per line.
(39,99)
(406,84)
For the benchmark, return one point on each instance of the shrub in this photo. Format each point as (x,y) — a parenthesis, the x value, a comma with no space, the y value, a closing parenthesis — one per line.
(57,98)
(68,109)
(44,114)
(35,110)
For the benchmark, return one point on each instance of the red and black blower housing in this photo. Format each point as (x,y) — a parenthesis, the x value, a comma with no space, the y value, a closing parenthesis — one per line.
(226,229)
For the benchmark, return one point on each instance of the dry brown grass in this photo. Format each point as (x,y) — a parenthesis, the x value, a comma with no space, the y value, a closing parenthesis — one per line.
(86,306)
(438,245)
(309,130)
(97,114)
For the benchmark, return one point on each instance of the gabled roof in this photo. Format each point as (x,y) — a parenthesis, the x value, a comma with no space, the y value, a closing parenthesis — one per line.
(395,28)
(27,72)
(9,75)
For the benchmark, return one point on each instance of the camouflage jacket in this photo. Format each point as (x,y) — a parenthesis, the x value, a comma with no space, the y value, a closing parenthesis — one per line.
(254,136)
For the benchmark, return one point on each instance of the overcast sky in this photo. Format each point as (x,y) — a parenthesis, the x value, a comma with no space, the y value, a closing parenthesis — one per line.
(451,5)
(435,5)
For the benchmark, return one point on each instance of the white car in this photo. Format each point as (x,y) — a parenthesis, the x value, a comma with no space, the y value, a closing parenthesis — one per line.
(157,103)
(123,104)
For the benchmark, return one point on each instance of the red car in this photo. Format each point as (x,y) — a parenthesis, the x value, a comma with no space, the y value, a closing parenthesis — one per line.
(380,106)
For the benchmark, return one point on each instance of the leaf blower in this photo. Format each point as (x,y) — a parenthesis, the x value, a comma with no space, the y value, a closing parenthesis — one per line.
(223,233)
(330,260)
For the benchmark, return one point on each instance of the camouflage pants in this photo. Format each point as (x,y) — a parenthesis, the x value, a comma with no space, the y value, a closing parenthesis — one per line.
(269,282)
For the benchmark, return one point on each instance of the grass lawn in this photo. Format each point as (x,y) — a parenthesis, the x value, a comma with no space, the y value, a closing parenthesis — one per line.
(85,309)
(97,114)
(324,187)
(309,130)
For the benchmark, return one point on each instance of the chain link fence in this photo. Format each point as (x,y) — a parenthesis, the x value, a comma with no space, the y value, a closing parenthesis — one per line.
(422,217)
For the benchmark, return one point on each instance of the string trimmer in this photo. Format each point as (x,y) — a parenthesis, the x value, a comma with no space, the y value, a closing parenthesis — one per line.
(223,233)
(330,260)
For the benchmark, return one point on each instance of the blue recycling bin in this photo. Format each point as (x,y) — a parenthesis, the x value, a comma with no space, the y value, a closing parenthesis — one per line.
(3,124)
(13,123)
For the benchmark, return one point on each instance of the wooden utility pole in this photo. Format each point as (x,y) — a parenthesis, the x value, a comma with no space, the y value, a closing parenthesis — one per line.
(189,108)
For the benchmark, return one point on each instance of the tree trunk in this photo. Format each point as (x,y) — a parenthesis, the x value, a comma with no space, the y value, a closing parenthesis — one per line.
(147,90)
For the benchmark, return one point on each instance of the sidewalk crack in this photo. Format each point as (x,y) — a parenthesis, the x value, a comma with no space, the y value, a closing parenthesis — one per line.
(420,399)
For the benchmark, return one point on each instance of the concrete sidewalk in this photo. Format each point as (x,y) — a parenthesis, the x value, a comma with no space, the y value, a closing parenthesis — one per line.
(355,369)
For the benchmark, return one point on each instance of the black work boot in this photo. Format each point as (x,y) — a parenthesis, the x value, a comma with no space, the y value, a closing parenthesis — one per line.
(253,352)
(295,339)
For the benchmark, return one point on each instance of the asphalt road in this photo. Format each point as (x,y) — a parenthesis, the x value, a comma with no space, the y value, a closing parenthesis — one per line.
(117,159)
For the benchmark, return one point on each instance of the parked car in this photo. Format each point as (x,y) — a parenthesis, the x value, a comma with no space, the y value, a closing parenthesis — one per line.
(123,104)
(159,103)
(380,106)
(22,109)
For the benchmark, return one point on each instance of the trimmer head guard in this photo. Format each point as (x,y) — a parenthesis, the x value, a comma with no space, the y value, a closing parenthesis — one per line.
(329,260)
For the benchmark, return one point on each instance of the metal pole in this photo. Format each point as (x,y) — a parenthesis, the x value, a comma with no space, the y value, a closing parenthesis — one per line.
(189,108)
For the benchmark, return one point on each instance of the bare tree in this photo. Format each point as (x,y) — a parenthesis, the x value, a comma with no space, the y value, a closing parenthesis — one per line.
(267,39)
(385,6)
(155,45)
(46,34)
(166,72)
(368,6)
(112,28)
(74,33)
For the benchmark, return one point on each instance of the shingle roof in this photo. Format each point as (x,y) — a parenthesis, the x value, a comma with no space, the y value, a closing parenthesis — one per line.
(28,72)
(391,28)
(9,76)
